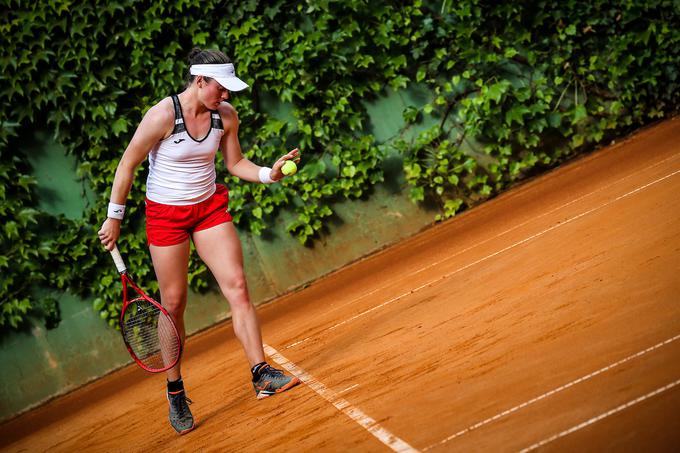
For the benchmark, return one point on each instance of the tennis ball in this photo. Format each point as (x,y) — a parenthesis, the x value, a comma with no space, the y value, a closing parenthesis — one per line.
(289,168)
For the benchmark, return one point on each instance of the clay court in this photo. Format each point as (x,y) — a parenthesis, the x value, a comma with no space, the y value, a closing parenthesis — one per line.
(547,318)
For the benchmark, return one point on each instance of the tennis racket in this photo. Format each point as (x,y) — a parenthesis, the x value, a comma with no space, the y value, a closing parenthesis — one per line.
(149,332)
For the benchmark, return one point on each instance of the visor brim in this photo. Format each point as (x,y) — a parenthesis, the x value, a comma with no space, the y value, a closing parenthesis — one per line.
(232,83)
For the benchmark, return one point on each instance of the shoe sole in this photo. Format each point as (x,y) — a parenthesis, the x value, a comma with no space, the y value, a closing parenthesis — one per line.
(181,433)
(293,382)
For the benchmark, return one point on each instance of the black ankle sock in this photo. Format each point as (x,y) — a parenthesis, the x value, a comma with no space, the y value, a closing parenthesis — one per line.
(176,386)
(255,370)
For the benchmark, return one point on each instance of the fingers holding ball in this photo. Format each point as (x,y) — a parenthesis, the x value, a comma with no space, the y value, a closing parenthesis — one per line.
(289,168)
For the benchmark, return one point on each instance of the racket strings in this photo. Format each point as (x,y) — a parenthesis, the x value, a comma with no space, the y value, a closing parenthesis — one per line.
(150,334)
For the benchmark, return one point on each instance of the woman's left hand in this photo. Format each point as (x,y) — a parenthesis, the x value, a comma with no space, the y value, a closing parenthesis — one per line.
(276,173)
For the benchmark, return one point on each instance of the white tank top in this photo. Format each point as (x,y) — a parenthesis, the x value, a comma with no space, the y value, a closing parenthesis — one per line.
(182,168)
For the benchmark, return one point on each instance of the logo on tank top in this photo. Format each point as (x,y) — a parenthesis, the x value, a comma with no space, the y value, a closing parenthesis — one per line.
(180,140)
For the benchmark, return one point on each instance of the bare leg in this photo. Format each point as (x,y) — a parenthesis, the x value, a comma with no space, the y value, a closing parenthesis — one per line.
(171,264)
(220,249)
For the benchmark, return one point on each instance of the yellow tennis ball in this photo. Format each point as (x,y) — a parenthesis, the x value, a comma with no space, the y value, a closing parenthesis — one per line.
(289,168)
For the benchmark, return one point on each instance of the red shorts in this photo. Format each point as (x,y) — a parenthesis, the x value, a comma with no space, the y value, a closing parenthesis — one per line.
(172,225)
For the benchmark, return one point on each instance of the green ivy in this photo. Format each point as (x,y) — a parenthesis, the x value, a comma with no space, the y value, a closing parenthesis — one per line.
(520,88)
(517,88)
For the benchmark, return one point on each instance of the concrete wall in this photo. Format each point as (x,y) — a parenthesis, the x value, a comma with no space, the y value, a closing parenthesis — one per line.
(40,364)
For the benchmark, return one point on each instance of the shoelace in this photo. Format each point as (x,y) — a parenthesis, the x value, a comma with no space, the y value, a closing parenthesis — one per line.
(178,406)
(273,371)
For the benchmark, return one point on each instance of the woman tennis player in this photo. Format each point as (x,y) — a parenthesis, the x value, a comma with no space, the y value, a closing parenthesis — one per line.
(181,135)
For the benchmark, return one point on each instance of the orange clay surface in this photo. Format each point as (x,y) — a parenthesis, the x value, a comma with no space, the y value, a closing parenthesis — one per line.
(548,317)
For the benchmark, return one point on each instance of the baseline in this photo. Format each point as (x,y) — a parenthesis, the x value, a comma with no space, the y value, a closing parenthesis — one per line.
(341,404)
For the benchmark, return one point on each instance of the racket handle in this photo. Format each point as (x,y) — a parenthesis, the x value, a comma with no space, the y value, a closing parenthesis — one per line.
(120,265)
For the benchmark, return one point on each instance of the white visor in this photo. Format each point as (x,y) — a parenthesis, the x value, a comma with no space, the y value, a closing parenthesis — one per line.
(225,74)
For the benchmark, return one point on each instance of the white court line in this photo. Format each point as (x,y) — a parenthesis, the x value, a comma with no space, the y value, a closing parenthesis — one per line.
(467,249)
(351,387)
(552,392)
(601,416)
(356,414)
(487,257)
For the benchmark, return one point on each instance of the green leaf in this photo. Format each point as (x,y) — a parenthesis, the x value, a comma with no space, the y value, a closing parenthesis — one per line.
(579,114)
(496,91)
(417,194)
(516,114)
(554,119)
(120,125)
(349,171)
(452,206)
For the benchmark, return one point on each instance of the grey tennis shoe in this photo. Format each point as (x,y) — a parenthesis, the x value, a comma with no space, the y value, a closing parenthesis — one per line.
(180,414)
(272,381)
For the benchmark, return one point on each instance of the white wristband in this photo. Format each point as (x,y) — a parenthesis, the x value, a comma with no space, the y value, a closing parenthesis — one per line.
(116,211)
(265,175)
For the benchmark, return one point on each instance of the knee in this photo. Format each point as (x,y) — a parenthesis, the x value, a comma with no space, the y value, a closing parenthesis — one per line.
(236,290)
(174,301)
(236,284)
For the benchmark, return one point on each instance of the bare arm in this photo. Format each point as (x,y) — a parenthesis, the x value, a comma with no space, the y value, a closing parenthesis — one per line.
(238,165)
(154,126)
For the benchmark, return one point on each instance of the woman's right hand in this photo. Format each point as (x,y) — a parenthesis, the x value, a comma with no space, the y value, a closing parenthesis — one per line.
(109,233)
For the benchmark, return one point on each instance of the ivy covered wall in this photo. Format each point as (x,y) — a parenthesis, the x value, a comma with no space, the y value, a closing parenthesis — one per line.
(513,89)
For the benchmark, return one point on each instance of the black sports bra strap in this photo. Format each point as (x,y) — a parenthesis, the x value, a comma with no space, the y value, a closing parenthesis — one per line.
(179,120)
(178,110)
(216,120)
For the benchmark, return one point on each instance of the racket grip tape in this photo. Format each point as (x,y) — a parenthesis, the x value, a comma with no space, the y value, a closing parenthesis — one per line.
(118,260)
